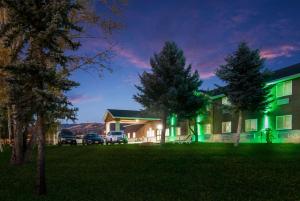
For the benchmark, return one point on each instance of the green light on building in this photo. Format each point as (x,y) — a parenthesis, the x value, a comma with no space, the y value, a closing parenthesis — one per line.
(198,124)
(173,123)
(266,121)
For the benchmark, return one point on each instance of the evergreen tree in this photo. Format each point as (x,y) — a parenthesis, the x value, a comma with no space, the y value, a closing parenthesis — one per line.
(38,79)
(170,87)
(246,82)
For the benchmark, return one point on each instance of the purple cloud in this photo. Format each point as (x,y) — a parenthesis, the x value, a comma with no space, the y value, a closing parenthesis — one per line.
(131,57)
(281,51)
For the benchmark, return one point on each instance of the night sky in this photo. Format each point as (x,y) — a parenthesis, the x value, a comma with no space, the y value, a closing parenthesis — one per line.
(207,31)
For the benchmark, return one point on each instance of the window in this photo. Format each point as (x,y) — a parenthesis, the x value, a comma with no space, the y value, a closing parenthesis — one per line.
(225,101)
(150,132)
(251,125)
(284,122)
(133,135)
(226,127)
(283,101)
(284,88)
(178,132)
(128,135)
(207,129)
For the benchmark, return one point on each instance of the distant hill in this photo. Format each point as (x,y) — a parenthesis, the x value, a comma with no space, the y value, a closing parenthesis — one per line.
(83,128)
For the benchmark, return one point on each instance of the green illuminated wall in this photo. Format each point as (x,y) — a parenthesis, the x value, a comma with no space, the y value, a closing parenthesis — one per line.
(173,125)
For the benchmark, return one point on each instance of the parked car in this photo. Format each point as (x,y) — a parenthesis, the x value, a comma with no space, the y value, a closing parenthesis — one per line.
(116,137)
(79,139)
(92,138)
(66,137)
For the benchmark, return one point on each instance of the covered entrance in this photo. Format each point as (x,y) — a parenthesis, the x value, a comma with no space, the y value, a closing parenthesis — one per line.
(137,125)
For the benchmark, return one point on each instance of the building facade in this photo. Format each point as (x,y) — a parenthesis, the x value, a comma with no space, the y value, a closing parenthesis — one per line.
(141,127)
(282,116)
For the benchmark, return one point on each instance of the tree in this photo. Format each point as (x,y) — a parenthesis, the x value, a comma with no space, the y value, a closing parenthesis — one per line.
(104,22)
(170,87)
(245,77)
(194,105)
(37,81)
(38,44)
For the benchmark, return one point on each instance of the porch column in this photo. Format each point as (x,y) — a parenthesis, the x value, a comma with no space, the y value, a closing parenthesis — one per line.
(107,127)
(117,125)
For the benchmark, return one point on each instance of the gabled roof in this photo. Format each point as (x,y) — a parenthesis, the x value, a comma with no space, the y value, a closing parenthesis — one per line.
(131,114)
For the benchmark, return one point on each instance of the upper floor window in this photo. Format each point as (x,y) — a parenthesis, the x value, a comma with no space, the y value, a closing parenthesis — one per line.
(225,101)
(284,122)
(226,127)
(284,88)
(250,125)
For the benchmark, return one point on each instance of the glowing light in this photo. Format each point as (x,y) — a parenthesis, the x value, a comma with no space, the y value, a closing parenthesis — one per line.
(266,121)
(173,122)
(159,126)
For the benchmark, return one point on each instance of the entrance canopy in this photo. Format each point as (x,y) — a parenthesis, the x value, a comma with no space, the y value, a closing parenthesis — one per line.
(126,117)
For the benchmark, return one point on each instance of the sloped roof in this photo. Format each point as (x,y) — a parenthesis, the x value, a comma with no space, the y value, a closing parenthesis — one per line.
(285,72)
(277,75)
(131,114)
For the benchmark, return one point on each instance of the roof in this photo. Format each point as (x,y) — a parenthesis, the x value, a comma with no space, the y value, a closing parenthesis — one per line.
(131,114)
(286,73)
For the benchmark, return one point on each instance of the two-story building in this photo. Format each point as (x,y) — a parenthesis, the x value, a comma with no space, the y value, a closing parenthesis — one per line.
(282,115)
(219,125)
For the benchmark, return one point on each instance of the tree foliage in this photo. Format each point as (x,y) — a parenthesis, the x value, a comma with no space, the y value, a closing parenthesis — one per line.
(38,77)
(170,87)
(245,77)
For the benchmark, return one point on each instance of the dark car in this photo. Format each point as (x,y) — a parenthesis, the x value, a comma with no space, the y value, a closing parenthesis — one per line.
(92,138)
(66,137)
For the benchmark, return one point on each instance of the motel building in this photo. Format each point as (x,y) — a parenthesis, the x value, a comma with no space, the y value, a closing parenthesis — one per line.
(219,124)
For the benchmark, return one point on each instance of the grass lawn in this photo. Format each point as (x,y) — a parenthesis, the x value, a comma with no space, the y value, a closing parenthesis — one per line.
(154,173)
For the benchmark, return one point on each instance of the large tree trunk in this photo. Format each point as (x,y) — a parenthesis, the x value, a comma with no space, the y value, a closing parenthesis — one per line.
(196,131)
(9,124)
(239,129)
(17,147)
(163,132)
(29,148)
(41,175)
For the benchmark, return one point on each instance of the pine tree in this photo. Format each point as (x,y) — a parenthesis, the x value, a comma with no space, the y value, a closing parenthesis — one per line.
(246,82)
(170,87)
(38,79)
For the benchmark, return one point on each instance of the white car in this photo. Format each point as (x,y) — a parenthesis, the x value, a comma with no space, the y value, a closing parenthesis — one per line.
(116,137)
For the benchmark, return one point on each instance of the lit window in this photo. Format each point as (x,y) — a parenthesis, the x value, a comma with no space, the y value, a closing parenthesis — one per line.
(284,88)
(133,135)
(226,127)
(282,101)
(178,132)
(284,122)
(225,101)
(128,134)
(251,125)
(150,132)
(207,129)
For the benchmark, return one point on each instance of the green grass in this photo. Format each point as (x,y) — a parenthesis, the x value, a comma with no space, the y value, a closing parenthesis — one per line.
(153,173)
